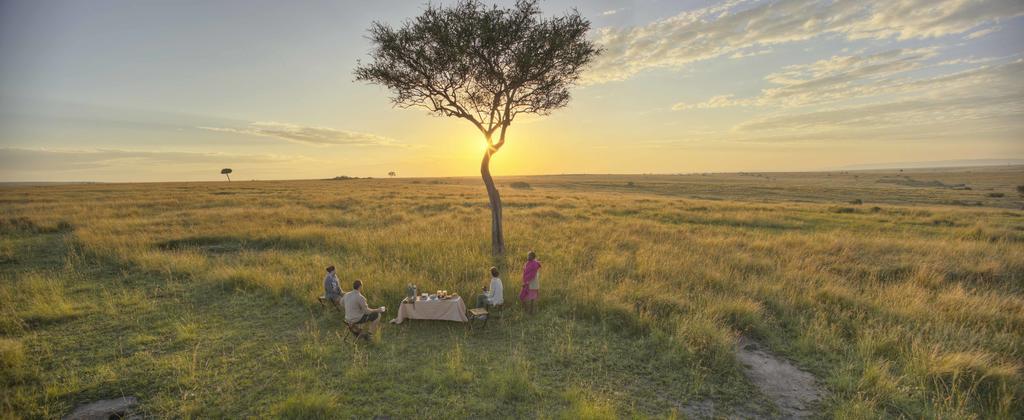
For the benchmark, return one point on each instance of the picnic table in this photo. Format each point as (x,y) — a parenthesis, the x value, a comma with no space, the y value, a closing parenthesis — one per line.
(451,309)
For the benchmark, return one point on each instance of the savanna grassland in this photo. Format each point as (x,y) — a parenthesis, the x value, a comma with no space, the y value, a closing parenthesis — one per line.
(902,292)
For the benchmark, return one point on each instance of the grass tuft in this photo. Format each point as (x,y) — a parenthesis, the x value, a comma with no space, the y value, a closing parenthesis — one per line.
(512,383)
(586,407)
(13,366)
(42,298)
(306,406)
(743,315)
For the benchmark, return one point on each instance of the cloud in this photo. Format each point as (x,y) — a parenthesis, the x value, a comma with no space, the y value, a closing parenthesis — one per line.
(14,159)
(738,25)
(720,101)
(845,67)
(842,77)
(974,60)
(750,53)
(848,77)
(983,32)
(989,92)
(316,136)
(898,113)
(982,102)
(837,78)
(612,12)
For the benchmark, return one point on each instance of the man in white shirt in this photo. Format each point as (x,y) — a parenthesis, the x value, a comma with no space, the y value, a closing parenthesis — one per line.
(494,294)
(356,310)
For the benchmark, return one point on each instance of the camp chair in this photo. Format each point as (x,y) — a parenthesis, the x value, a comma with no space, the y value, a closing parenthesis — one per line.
(324,300)
(477,314)
(357,331)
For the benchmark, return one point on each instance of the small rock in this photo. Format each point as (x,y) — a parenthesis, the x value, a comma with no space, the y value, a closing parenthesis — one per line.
(104,409)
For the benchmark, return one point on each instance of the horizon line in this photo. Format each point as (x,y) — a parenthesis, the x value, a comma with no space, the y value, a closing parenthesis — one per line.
(340,177)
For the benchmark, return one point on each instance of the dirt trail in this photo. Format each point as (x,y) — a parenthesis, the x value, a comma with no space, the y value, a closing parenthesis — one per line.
(793,390)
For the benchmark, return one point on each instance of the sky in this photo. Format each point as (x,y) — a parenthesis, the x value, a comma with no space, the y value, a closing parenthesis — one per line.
(133,91)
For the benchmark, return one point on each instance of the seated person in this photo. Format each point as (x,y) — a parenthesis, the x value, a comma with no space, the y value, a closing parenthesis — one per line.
(332,288)
(494,294)
(356,311)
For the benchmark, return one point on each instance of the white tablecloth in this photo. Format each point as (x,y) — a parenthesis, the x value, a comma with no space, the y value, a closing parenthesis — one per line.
(453,309)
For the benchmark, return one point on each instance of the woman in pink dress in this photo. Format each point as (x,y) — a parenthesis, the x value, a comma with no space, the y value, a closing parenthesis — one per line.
(531,282)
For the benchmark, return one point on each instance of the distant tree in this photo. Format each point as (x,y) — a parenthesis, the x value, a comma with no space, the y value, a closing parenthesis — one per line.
(226,172)
(392,174)
(486,65)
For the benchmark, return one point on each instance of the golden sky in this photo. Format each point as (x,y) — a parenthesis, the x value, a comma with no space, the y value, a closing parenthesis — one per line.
(159,91)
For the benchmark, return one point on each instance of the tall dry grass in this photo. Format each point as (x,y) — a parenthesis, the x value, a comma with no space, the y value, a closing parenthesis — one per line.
(908,311)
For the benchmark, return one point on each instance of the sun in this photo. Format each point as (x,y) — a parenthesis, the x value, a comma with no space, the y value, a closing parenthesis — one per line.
(478,146)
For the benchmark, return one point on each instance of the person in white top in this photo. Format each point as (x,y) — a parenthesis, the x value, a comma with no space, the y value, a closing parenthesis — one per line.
(356,310)
(494,294)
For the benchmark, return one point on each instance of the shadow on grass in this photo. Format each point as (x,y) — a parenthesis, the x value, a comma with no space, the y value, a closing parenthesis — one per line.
(228,244)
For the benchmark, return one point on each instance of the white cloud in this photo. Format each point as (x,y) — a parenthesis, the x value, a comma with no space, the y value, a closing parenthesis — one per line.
(904,113)
(738,25)
(751,53)
(13,159)
(842,77)
(972,60)
(612,11)
(984,102)
(720,101)
(317,136)
(983,32)
(848,77)
(989,92)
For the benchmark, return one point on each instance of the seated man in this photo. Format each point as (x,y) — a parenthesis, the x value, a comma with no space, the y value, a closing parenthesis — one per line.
(356,311)
(493,294)
(332,288)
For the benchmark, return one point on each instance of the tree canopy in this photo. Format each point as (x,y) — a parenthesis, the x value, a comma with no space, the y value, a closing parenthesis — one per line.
(483,64)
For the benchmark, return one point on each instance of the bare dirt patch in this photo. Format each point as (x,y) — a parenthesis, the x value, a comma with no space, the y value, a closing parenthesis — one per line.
(794,391)
(116,408)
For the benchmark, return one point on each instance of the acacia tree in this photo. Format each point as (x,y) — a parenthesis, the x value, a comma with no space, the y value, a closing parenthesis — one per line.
(486,65)
(226,172)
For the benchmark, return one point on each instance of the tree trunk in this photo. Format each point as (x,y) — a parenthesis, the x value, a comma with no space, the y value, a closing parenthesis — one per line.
(229,177)
(497,237)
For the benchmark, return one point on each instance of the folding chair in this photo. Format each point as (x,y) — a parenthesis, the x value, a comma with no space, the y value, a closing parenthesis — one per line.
(323,302)
(356,330)
(477,314)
